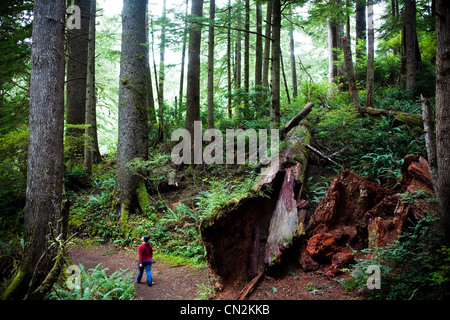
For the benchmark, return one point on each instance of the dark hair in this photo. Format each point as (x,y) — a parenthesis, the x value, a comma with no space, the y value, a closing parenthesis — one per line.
(146,238)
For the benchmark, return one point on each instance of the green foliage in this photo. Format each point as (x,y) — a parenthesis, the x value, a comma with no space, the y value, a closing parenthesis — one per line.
(221,192)
(97,285)
(417,266)
(13,175)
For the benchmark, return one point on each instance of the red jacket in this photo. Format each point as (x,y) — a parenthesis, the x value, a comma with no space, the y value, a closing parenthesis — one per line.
(145,253)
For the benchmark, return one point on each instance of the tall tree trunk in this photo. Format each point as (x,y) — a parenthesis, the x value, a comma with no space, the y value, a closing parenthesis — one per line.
(76,81)
(370,57)
(247,51)
(210,98)
(443,110)
(150,97)
(238,74)
(133,109)
(360,25)
(162,52)
(351,74)
(229,59)
(183,58)
(286,86)
(91,153)
(193,74)
(266,61)
(332,54)
(259,48)
(410,43)
(275,76)
(293,67)
(45,147)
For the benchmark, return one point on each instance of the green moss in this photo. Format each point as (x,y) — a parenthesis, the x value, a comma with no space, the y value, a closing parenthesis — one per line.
(411,119)
(142,196)
(17,281)
(124,215)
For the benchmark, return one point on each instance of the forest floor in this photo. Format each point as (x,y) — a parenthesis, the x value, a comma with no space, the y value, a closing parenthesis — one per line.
(174,281)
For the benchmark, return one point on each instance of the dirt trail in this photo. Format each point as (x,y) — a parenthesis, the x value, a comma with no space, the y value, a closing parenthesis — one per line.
(170,282)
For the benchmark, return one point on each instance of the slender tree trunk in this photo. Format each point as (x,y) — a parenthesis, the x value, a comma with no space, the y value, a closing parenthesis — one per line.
(133,109)
(162,53)
(259,48)
(351,74)
(410,43)
(150,98)
(286,86)
(360,25)
(238,75)
(247,51)
(332,54)
(430,139)
(183,58)
(91,132)
(443,110)
(210,98)
(275,76)
(370,57)
(293,67)
(193,74)
(266,61)
(45,147)
(229,59)
(76,81)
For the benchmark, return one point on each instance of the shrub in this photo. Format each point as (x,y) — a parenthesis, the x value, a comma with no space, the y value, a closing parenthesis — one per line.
(95,284)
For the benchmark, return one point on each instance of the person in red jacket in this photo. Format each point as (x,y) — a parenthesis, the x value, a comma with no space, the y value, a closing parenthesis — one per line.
(145,260)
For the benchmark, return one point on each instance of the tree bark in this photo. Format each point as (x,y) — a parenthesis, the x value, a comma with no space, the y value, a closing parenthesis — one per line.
(91,153)
(76,81)
(266,61)
(410,43)
(259,46)
(443,110)
(247,52)
(238,71)
(210,98)
(133,108)
(162,72)
(370,99)
(293,67)
(183,56)
(351,74)
(229,59)
(275,75)
(430,139)
(360,25)
(193,74)
(45,146)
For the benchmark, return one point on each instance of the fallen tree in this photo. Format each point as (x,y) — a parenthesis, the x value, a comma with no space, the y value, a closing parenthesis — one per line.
(248,236)
(414,120)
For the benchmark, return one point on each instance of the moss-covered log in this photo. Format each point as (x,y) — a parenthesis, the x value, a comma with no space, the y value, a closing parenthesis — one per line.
(414,120)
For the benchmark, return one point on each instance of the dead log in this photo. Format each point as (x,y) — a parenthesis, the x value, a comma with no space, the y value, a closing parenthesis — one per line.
(273,214)
(296,119)
(248,289)
(413,120)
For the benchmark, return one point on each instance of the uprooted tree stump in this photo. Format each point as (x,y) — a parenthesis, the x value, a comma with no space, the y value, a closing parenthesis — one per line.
(249,235)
